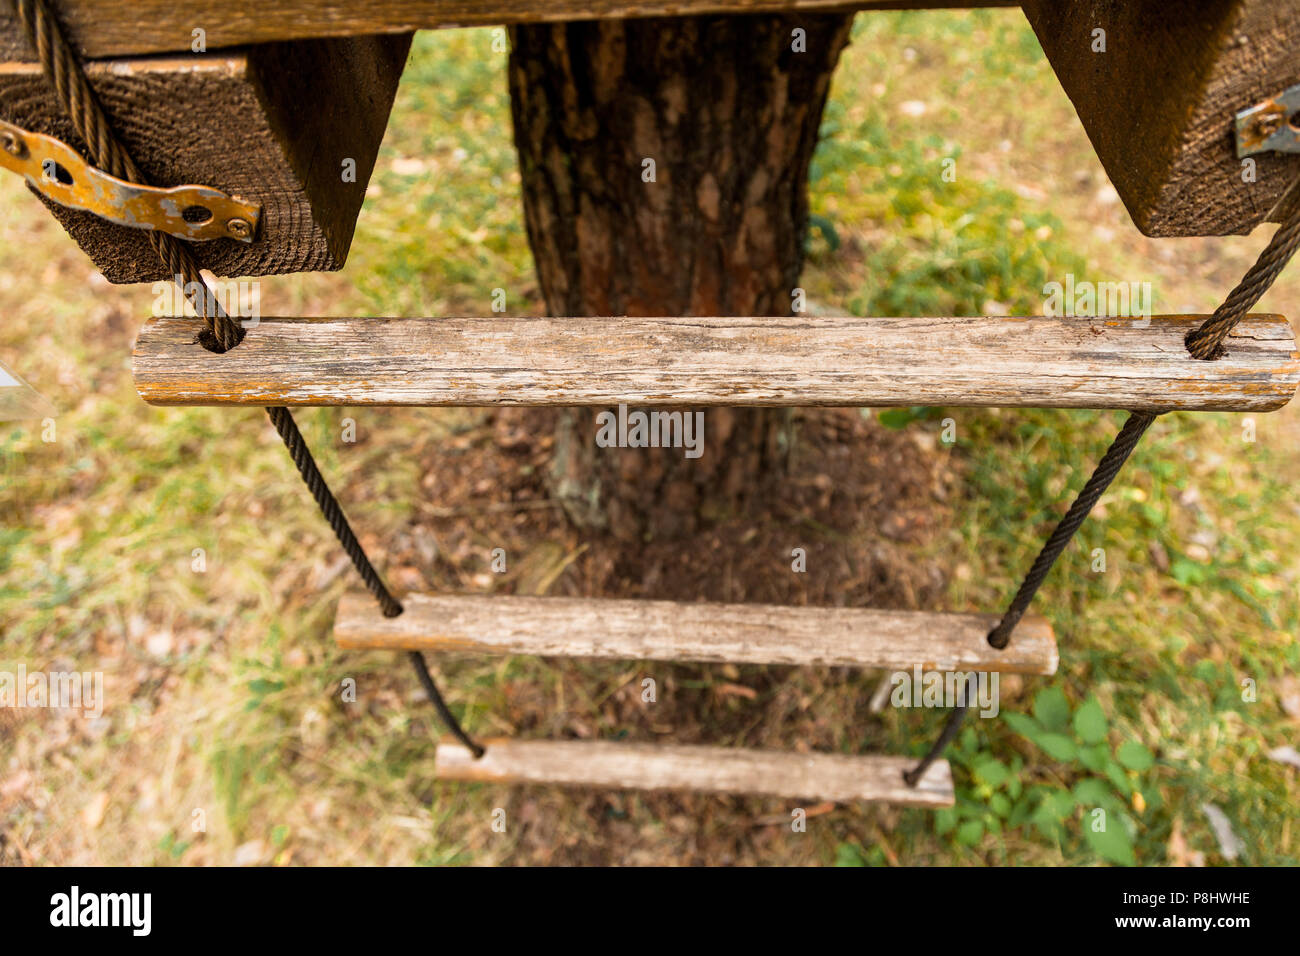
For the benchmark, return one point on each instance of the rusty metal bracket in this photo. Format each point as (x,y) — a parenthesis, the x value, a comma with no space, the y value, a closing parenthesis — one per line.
(1270,126)
(57,171)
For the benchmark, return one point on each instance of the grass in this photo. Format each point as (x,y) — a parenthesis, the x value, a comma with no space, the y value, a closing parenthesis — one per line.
(225,688)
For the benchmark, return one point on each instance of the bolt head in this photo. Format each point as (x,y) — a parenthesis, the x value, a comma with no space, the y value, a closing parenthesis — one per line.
(1268,124)
(12,143)
(239,228)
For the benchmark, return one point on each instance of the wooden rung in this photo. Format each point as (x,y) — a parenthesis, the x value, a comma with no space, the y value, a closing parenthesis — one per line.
(579,763)
(694,631)
(1035,362)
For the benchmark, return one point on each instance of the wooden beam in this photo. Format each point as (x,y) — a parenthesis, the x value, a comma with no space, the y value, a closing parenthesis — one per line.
(694,631)
(1160,103)
(631,766)
(105,28)
(1038,362)
(235,121)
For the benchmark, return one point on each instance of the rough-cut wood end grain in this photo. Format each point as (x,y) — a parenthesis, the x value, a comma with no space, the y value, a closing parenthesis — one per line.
(1174,77)
(836,777)
(1029,362)
(694,631)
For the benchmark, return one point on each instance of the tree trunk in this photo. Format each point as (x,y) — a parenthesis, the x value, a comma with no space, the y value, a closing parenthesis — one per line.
(664,166)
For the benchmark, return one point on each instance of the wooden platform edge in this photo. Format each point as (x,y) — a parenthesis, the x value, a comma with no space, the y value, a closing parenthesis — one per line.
(1197,67)
(695,631)
(724,770)
(102,28)
(288,159)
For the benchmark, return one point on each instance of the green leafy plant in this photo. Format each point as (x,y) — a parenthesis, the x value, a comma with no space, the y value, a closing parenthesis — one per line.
(1081,803)
(993,802)
(1095,777)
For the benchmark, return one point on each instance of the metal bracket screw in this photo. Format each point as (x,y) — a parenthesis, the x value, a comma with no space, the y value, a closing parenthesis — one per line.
(240,229)
(12,144)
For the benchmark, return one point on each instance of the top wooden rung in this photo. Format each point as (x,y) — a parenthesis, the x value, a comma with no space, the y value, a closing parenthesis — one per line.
(1136,364)
(108,28)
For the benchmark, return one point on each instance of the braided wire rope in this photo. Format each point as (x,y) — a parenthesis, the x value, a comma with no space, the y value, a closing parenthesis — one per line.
(1205,343)
(1134,428)
(64,70)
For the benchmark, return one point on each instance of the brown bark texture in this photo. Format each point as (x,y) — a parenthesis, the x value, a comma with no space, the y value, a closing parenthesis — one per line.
(664,165)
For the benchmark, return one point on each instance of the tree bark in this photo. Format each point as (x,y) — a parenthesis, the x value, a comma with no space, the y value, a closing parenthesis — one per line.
(664,166)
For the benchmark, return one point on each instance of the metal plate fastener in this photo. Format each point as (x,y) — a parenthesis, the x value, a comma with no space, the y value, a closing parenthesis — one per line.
(1270,126)
(58,172)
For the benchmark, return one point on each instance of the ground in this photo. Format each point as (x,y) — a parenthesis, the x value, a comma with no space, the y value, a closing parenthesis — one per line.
(223,686)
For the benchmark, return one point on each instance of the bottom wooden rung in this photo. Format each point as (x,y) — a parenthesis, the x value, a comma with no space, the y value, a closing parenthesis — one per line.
(631,766)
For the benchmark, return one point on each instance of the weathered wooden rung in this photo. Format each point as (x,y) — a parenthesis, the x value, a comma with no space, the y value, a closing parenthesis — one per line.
(1029,362)
(630,766)
(694,631)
